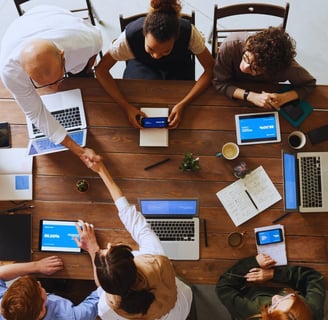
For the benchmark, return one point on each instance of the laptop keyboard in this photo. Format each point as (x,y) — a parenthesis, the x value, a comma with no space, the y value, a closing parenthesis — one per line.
(68,118)
(173,230)
(311,182)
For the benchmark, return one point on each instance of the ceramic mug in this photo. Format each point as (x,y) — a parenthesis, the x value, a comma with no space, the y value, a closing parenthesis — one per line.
(297,140)
(230,151)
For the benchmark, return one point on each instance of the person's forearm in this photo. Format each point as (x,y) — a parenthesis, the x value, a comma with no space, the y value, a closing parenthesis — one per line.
(69,143)
(14,270)
(112,187)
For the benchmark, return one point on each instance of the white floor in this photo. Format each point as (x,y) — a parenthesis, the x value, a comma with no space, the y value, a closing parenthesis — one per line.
(306,24)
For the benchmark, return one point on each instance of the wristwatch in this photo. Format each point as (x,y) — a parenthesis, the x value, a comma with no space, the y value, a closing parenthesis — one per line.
(246,93)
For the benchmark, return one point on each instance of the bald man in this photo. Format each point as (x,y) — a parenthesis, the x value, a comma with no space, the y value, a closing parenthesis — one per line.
(40,49)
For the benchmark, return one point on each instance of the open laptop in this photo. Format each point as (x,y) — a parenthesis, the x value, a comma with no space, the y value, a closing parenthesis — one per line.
(305,181)
(67,108)
(15,237)
(176,223)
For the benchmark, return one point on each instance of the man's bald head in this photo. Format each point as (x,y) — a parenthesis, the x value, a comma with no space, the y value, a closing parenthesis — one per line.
(42,61)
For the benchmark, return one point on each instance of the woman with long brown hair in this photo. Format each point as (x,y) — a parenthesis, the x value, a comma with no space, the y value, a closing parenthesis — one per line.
(303,299)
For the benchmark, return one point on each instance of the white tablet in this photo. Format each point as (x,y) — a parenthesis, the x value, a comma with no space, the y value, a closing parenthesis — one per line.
(58,236)
(255,128)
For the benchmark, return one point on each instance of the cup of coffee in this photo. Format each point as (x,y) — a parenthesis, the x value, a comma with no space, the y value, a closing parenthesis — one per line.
(297,140)
(235,239)
(230,151)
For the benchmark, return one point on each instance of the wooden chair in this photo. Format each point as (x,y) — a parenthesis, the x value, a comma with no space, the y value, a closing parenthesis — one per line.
(125,21)
(253,11)
(86,13)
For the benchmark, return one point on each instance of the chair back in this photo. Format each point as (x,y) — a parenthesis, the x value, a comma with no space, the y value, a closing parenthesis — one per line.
(231,16)
(125,21)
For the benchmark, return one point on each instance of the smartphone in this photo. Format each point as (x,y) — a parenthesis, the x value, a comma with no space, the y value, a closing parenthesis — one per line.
(270,236)
(293,110)
(154,122)
(4,135)
(319,134)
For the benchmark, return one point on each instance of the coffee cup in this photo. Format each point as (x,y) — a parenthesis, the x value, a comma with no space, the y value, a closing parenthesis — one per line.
(235,239)
(297,140)
(230,151)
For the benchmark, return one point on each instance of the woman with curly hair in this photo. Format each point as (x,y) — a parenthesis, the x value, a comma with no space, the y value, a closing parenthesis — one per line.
(266,56)
(158,47)
(300,296)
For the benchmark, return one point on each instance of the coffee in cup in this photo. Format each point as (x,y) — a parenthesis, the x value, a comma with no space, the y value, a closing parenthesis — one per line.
(230,151)
(296,140)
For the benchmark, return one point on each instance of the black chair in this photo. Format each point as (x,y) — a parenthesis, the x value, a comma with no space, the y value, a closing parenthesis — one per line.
(125,21)
(253,10)
(88,10)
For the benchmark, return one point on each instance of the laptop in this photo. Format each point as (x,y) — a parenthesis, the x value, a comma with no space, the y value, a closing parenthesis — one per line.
(305,177)
(176,223)
(15,237)
(67,107)
(271,240)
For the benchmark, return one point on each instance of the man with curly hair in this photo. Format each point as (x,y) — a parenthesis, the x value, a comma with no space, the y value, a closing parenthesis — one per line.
(266,56)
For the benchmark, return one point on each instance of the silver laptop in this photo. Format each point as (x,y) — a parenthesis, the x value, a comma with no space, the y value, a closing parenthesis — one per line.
(305,181)
(67,108)
(176,223)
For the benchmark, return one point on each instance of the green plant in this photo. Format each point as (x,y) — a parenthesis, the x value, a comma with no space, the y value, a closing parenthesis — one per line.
(82,185)
(189,163)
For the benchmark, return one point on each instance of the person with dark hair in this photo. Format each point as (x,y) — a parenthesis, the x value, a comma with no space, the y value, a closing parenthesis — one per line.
(133,284)
(158,47)
(301,298)
(40,49)
(26,299)
(266,56)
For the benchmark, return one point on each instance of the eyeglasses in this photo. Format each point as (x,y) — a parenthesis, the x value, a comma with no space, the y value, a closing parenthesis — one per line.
(286,297)
(253,69)
(36,86)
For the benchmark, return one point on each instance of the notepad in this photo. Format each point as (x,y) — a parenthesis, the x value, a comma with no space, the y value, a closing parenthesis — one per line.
(154,137)
(15,174)
(247,197)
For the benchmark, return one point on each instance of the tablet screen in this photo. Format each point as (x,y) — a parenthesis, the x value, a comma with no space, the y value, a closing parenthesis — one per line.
(257,128)
(58,236)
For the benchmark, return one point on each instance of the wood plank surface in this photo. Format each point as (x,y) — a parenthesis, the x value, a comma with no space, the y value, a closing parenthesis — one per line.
(206,125)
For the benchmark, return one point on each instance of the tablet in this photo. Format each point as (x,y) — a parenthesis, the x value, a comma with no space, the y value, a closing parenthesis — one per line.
(256,128)
(58,236)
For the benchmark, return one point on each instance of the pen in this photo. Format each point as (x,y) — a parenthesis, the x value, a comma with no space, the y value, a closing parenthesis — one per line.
(250,198)
(281,217)
(205,232)
(157,164)
(235,275)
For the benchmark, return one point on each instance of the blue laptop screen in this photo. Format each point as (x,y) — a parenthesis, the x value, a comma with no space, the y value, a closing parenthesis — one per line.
(258,128)
(169,207)
(290,181)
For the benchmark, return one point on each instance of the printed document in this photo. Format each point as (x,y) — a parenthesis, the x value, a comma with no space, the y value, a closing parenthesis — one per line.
(247,197)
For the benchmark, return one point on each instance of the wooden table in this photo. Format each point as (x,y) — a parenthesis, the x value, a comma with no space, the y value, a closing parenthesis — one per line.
(207,124)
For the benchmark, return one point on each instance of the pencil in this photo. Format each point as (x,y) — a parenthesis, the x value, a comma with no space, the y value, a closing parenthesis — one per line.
(281,217)
(205,232)
(157,164)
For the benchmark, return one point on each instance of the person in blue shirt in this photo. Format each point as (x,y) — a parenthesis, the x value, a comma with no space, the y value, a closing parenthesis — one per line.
(25,298)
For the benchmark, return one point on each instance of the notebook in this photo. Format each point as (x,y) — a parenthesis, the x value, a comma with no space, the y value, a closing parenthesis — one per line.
(67,107)
(154,137)
(271,240)
(15,175)
(176,223)
(305,181)
(15,237)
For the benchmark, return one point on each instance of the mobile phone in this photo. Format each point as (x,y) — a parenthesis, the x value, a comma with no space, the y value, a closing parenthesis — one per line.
(319,134)
(58,236)
(270,236)
(293,110)
(154,122)
(4,135)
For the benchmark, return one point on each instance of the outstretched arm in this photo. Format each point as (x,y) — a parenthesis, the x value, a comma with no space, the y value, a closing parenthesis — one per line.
(45,266)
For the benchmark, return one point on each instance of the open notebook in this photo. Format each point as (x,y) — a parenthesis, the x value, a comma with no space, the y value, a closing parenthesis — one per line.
(15,174)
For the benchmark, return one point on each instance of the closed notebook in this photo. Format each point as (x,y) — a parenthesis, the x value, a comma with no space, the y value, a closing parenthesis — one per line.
(154,137)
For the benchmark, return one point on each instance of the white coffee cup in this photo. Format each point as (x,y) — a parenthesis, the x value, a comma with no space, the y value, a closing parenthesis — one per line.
(230,151)
(297,140)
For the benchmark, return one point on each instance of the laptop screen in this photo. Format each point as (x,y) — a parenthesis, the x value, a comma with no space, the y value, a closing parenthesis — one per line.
(169,207)
(290,182)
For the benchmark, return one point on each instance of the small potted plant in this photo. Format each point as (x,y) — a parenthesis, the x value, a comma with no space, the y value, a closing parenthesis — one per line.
(82,185)
(190,163)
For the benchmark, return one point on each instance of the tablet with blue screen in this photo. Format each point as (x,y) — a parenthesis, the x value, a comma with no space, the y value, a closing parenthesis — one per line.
(255,128)
(58,236)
